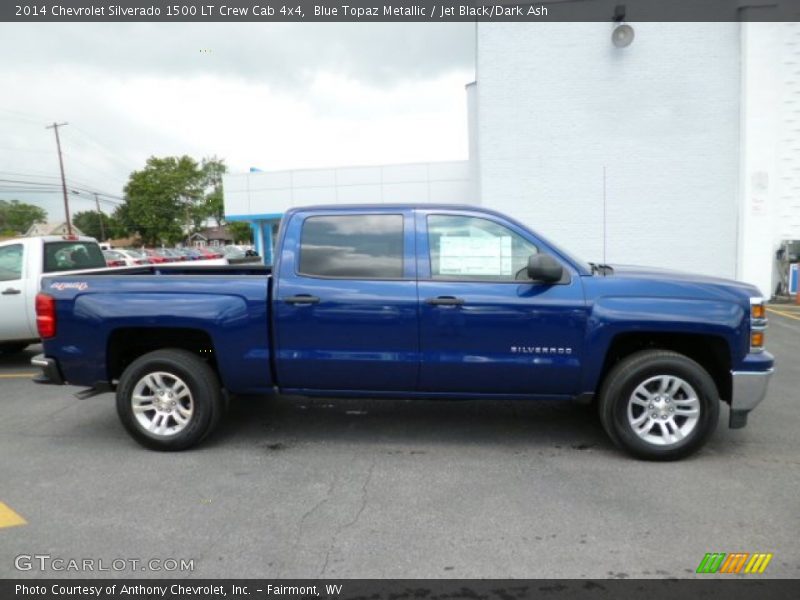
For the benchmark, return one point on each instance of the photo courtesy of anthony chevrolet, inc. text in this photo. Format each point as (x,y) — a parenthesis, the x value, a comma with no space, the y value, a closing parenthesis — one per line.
(412,300)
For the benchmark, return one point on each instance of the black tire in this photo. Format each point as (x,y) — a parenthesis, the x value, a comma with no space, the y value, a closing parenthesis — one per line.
(205,395)
(633,371)
(13,348)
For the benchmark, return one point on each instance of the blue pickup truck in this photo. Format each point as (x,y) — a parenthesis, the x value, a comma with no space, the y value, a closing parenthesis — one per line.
(411,301)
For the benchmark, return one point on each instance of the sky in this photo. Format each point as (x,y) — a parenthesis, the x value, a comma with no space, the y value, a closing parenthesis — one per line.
(270,96)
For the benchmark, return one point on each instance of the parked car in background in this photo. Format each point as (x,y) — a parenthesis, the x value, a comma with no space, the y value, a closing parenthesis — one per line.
(189,253)
(154,256)
(171,254)
(238,254)
(132,257)
(23,261)
(234,252)
(114,259)
(209,253)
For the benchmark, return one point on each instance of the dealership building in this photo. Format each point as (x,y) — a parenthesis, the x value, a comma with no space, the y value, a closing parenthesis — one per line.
(680,150)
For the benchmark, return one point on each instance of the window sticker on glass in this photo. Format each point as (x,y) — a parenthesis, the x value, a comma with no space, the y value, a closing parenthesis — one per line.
(463,255)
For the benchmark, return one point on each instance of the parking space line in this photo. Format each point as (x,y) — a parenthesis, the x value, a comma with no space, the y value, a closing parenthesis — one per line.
(8,518)
(784,314)
(17,375)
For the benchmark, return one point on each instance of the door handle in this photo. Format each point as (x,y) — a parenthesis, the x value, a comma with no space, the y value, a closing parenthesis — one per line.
(301,299)
(445,301)
(11,292)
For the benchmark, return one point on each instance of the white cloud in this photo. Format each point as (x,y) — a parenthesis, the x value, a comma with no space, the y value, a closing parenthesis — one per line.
(289,96)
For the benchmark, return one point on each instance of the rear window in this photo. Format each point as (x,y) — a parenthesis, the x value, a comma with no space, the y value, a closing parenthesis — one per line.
(71,256)
(352,247)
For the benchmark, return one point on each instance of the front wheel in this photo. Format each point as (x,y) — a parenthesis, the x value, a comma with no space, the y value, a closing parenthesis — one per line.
(659,405)
(169,399)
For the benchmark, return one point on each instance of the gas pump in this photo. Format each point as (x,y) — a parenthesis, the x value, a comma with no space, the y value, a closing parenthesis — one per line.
(788,259)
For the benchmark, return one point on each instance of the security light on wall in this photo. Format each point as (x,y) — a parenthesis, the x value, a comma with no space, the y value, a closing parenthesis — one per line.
(623,34)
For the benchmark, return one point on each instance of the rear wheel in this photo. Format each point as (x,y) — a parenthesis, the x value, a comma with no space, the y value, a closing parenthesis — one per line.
(659,405)
(169,399)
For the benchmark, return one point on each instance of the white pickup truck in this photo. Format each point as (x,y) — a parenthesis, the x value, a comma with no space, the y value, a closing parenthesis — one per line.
(23,261)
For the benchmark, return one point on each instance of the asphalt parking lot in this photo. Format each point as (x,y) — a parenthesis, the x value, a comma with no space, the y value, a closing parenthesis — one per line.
(299,488)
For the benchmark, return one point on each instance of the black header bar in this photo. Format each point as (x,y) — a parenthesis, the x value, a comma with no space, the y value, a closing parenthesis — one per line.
(401,11)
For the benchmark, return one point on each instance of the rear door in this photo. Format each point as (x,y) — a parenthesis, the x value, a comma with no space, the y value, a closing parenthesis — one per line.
(485,328)
(15,323)
(345,303)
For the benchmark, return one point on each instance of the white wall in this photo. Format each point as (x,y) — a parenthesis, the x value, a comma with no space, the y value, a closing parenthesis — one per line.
(760,209)
(559,102)
(774,56)
(274,192)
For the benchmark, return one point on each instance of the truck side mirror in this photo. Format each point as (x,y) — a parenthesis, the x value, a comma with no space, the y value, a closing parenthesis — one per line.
(545,268)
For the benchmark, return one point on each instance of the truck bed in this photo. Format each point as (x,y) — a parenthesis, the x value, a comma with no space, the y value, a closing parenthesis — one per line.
(130,309)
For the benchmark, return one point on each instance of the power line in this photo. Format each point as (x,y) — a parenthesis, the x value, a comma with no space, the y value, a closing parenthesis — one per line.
(34,150)
(7,183)
(110,153)
(38,174)
(22,116)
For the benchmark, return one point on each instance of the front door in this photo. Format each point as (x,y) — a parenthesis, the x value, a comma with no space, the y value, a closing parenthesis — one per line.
(15,323)
(485,328)
(346,303)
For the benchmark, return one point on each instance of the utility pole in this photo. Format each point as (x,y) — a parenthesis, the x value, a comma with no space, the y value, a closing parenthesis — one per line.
(55,127)
(100,216)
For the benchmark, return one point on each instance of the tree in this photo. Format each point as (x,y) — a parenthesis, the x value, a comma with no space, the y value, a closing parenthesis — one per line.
(89,223)
(17,217)
(213,169)
(161,200)
(240,232)
(213,203)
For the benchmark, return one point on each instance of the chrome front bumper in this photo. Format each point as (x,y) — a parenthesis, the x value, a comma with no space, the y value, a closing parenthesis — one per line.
(749,389)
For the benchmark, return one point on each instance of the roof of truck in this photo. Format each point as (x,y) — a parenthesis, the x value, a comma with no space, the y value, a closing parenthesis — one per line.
(391,206)
(47,238)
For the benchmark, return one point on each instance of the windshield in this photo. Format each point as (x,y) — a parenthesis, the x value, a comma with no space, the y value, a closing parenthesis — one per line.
(70,256)
(570,256)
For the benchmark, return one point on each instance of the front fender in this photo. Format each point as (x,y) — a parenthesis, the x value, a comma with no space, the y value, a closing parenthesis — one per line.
(611,316)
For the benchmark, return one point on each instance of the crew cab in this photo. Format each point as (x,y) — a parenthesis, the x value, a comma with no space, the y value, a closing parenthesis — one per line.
(429,301)
(22,263)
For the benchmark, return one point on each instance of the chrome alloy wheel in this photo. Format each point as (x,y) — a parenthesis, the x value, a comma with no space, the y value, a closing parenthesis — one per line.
(162,404)
(663,410)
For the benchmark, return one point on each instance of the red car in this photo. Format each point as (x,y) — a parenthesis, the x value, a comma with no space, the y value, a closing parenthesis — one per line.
(114,259)
(154,257)
(208,253)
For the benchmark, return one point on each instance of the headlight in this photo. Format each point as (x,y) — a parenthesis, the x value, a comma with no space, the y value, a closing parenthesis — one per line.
(758,311)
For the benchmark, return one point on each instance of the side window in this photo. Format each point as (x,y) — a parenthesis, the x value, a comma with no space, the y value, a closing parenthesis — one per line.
(11,262)
(352,247)
(476,249)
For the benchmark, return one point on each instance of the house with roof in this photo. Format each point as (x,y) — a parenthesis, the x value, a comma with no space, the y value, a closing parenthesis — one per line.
(52,228)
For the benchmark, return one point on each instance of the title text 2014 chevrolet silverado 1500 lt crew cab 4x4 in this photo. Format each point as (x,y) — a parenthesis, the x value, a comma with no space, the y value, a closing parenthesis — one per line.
(412,301)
